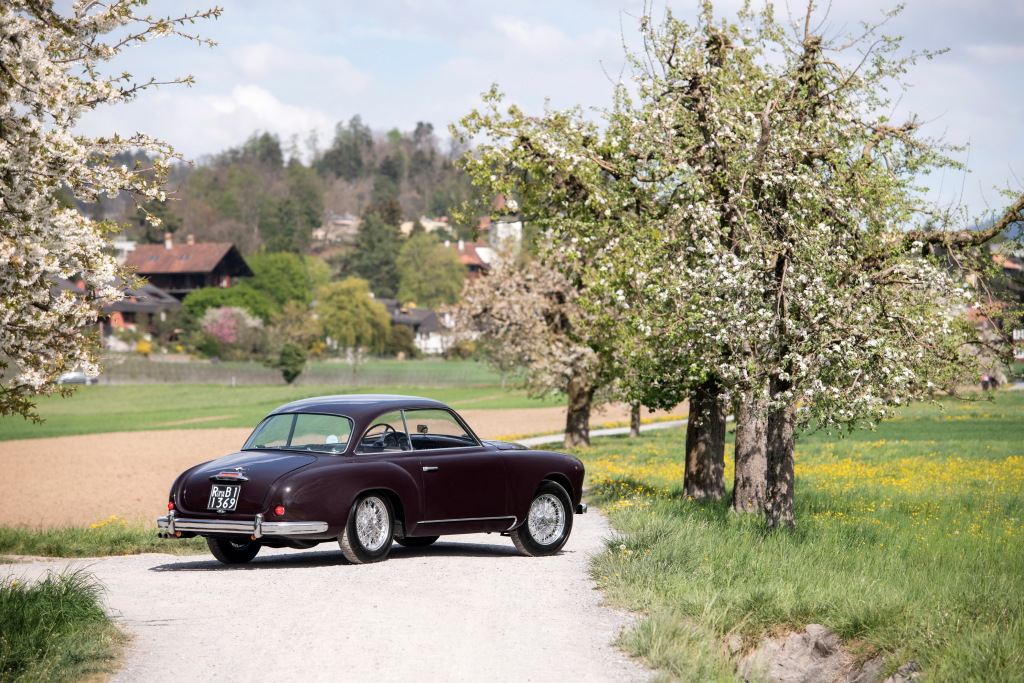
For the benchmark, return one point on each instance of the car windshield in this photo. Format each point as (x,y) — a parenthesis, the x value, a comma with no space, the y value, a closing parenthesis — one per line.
(302,432)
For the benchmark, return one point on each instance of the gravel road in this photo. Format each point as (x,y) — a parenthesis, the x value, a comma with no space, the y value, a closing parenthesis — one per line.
(468,608)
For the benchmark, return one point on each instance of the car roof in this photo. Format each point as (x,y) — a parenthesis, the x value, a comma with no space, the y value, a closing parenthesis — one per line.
(357,406)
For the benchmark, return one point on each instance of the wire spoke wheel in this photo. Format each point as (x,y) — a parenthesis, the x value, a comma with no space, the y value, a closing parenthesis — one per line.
(373,523)
(548,522)
(547,519)
(369,531)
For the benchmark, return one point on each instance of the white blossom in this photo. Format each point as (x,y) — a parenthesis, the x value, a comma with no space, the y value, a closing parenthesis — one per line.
(49,78)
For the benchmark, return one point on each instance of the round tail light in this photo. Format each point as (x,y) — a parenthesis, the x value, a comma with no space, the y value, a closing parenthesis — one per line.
(170,506)
(279,510)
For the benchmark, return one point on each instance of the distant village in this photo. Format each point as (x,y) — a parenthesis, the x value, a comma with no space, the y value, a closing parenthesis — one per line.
(173,270)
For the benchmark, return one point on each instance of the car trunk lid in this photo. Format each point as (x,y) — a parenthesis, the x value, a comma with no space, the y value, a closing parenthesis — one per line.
(253,471)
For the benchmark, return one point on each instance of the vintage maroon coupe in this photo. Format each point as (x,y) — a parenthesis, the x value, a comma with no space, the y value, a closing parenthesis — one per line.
(369,470)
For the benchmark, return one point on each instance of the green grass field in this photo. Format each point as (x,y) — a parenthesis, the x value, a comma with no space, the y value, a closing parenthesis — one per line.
(102,409)
(910,542)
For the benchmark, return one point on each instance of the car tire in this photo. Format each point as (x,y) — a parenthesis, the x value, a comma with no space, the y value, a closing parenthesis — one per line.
(233,552)
(548,523)
(369,531)
(416,541)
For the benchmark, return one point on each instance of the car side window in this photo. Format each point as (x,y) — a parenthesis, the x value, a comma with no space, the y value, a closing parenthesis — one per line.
(386,434)
(433,429)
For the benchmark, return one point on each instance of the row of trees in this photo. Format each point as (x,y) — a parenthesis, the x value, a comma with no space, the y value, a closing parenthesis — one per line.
(744,229)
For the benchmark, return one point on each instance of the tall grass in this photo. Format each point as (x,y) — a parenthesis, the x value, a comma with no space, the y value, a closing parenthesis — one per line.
(55,630)
(910,543)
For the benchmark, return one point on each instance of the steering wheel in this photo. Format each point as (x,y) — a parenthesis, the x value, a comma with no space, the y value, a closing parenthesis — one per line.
(389,438)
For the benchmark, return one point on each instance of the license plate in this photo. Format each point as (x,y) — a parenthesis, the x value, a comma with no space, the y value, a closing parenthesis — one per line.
(224,497)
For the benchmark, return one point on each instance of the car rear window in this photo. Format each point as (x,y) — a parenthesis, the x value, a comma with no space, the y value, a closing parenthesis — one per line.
(302,432)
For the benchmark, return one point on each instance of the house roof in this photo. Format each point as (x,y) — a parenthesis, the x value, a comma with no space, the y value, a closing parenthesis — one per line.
(157,259)
(142,299)
(145,298)
(478,254)
(421,320)
(1007,262)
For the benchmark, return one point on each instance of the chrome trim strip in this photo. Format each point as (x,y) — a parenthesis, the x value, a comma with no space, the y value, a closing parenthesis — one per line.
(469,519)
(257,527)
(229,477)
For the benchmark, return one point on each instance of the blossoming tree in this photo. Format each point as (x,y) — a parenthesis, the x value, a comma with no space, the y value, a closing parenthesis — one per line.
(50,76)
(745,220)
(531,312)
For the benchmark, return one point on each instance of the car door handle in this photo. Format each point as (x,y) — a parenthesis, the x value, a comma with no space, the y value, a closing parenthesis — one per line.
(430,469)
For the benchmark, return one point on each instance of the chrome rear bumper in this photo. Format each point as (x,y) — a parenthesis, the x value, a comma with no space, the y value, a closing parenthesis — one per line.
(256,528)
(581,508)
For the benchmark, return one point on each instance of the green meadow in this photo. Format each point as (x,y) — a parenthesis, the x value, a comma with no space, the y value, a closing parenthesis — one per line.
(909,544)
(102,409)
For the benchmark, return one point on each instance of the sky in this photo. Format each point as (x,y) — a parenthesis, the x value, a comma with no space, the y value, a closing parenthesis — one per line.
(299,68)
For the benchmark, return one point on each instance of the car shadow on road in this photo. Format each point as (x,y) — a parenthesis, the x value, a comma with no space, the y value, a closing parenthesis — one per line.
(299,559)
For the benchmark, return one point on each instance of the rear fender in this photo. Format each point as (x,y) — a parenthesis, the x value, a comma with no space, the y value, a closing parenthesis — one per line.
(328,493)
(178,487)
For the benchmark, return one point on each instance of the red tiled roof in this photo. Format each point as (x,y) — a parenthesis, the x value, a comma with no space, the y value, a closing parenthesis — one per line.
(1006,262)
(155,259)
(467,253)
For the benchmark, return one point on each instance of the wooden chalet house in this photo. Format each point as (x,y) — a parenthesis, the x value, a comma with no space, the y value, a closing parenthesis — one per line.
(179,269)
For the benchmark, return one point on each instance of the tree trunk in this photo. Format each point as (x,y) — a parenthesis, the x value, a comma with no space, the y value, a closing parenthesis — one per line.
(577,419)
(634,420)
(705,444)
(780,443)
(749,482)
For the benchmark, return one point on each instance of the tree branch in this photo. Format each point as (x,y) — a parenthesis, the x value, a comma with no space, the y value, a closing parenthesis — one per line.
(967,238)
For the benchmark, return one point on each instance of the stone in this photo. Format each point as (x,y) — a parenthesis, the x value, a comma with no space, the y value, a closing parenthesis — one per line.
(908,672)
(813,655)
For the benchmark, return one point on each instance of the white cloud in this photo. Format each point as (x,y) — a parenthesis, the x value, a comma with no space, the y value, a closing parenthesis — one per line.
(227,120)
(263,62)
(539,41)
(197,124)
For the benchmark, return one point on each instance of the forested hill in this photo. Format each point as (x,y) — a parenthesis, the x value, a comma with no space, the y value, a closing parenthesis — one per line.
(271,194)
